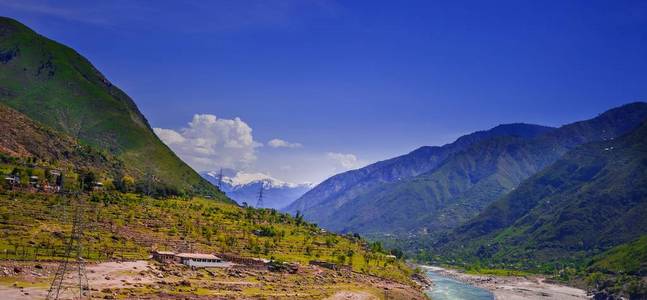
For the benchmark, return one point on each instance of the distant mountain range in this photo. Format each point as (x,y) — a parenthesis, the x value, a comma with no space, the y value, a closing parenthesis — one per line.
(245,188)
(439,188)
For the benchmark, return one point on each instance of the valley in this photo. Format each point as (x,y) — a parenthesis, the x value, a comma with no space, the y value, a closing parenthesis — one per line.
(323,150)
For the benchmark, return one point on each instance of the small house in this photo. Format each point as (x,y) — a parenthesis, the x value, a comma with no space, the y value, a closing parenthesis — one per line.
(199,259)
(163,256)
(12,180)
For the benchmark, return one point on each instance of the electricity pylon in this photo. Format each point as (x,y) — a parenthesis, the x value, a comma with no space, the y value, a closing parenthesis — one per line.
(259,203)
(220,180)
(73,247)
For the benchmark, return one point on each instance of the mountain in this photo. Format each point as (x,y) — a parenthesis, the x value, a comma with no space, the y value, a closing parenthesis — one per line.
(245,188)
(321,202)
(461,180)
(57,87)
(592,199)
(22,139)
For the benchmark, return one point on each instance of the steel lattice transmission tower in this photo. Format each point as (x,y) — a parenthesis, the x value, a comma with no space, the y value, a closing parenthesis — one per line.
(220,180)
(259,203)
(73,249)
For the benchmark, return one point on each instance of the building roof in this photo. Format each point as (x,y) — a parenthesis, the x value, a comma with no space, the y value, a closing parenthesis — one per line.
(197,256)
(165,252)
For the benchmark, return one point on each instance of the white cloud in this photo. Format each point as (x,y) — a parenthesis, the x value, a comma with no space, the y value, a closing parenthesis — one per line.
(208,142)
(346,161)
(279,143)
(169,136)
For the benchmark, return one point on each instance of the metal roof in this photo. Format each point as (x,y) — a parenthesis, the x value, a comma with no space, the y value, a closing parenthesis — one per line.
(197,256)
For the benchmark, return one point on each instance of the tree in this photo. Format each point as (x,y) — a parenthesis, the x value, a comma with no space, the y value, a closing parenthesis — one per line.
(298,218)
(127,183)
(88,178)
(595,279)
(267,247)
(376,247)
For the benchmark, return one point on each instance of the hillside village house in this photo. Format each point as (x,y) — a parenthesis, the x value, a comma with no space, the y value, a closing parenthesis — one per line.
(199,259)
(163,256)
(12,180)
(189,259)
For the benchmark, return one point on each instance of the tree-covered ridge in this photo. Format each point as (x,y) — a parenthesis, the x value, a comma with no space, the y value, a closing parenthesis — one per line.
(57,87)
(592,199)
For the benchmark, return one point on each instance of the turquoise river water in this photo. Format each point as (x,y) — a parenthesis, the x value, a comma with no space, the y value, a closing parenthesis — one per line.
(446,288)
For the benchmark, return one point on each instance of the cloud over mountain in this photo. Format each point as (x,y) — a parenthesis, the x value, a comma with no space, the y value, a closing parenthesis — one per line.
(209,142)
(346,161)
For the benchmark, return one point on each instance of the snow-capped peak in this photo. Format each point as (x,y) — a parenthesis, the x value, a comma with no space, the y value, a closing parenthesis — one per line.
(241,178)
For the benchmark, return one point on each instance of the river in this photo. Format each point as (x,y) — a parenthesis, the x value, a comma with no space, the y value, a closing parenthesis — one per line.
(446,288)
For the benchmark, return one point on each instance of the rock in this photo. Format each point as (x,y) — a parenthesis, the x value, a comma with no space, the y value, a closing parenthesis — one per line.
(603,295)
(107,277)
(38,266)
(17,269)
(184,283)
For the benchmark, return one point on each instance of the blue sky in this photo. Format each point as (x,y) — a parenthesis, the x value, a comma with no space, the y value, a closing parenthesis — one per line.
(345,83)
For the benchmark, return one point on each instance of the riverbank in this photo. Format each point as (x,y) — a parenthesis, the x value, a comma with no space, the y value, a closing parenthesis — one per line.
(514,287)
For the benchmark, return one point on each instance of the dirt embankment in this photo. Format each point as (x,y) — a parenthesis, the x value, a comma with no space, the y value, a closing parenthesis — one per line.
(151,280)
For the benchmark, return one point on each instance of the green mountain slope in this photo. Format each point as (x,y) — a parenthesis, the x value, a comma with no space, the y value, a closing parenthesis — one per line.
(465,182)
(628,258)
(55,86)
(23,139)
(592,199)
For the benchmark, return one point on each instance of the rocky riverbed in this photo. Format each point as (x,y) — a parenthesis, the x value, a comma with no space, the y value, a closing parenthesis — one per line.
(515,287)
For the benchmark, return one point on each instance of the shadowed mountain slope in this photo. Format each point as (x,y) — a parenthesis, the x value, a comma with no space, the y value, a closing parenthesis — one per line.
(592,199)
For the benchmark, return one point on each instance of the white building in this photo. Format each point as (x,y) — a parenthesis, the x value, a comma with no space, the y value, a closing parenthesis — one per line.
(199,259)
